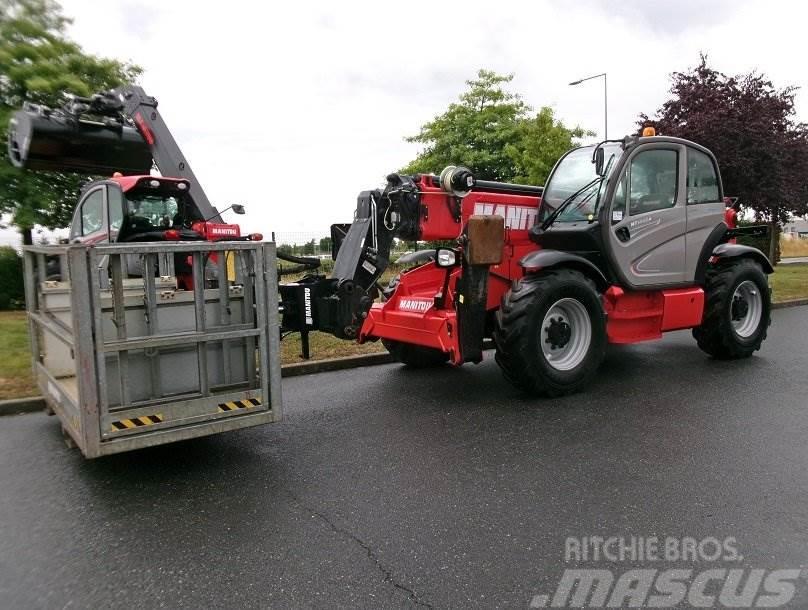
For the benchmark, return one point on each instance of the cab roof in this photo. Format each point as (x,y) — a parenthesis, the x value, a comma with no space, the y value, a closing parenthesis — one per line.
(127,183)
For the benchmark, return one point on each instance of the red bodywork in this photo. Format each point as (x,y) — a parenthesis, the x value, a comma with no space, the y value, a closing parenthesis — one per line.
(127,183)
(210,231)
(730,217)
(419,313)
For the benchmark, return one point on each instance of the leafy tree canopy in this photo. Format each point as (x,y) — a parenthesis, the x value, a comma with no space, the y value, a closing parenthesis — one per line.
(38,63)
(495,134)
(750,126)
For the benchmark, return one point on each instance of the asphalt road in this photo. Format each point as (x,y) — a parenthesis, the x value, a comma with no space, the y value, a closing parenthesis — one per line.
(392,488)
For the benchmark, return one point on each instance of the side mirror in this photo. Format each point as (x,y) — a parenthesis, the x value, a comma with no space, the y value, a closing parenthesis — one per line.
(445,258)
(237,208)
(598,160)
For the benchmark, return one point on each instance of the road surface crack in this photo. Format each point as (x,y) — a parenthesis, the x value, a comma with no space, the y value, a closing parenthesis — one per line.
(385,572)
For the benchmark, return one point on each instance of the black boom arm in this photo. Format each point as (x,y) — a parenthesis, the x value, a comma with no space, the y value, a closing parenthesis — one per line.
(119,130)
(339,304)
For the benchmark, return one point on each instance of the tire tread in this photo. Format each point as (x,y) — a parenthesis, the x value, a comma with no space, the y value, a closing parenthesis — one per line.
(512,335)
(715,335)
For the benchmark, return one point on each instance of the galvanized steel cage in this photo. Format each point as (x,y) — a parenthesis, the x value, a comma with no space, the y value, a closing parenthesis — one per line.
(130,362)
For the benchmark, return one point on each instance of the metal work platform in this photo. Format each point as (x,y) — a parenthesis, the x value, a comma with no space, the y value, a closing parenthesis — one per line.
(131,362)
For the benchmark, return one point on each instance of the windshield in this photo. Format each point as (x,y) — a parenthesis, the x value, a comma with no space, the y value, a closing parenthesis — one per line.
(152,212)
(575,177)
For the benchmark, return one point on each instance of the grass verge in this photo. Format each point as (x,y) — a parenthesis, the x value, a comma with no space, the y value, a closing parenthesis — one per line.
(793,247)
(788,282)
(16,380)
(324,346)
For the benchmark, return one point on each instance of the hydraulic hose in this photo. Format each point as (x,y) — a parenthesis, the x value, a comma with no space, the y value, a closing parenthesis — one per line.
(302,263)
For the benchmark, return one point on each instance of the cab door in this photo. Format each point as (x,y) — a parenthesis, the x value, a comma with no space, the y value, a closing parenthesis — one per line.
(90,220)
(648,219)
(705,207)
(115,211)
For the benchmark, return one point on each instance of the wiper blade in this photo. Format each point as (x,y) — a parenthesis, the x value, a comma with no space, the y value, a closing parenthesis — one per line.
(557,212)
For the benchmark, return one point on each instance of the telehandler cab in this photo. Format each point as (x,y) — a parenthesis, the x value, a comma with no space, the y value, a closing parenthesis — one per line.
(632,244)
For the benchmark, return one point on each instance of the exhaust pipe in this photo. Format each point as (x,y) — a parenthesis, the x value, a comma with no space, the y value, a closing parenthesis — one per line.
(43,139)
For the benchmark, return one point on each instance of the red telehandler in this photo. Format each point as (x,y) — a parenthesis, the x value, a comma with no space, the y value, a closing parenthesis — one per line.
(627,240)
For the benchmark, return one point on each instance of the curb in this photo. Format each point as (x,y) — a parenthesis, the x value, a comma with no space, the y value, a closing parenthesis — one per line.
(335,364)
(791,303)
(17,406)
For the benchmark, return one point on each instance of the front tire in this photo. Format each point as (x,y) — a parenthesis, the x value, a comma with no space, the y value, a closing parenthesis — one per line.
(737,310)
(551,333)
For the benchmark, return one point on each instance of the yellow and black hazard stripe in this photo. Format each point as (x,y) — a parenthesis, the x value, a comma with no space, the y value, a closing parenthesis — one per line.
(234,405)
(137,422)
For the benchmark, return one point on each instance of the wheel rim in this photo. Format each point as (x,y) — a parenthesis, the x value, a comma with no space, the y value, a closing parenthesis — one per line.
(746,309)
(566,334)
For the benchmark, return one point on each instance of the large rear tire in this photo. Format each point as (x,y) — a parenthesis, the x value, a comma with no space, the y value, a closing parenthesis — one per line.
(551,333)
(737,310)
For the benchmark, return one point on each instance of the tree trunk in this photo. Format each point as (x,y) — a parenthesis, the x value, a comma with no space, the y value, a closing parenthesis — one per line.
(27,236)
(774,242)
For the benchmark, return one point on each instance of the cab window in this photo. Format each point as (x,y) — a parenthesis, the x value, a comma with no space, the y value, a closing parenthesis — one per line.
(652,181)
(92,212)
(702,180)
(619,201)
(151,212)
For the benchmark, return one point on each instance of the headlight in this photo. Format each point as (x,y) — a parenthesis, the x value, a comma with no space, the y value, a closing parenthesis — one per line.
(446,258)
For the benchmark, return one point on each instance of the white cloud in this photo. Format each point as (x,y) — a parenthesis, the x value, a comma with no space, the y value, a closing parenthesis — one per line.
(293,108)
(664,16)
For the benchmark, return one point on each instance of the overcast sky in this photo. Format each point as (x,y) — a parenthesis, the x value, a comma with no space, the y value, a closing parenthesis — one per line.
(292,108)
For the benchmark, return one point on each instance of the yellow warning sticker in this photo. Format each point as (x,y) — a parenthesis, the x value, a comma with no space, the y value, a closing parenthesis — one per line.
(137,422)
(235,405)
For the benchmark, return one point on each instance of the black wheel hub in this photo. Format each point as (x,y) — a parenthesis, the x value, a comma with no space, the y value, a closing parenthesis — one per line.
(558,333)
(739,308)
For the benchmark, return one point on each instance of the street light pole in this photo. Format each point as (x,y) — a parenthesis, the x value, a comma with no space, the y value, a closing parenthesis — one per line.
(605,101)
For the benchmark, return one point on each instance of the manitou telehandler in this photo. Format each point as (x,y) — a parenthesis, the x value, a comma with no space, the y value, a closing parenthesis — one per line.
(627,240)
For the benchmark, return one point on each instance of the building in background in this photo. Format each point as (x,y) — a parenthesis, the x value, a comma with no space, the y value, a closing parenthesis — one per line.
(796,228)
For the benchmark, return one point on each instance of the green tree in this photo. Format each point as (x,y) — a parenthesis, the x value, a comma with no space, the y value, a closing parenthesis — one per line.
(11,278)
(309,247)
(38,63)
(495,134)
(325,245)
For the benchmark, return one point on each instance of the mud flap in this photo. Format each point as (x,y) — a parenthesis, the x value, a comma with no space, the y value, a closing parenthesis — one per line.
(471,300)
(485,239)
